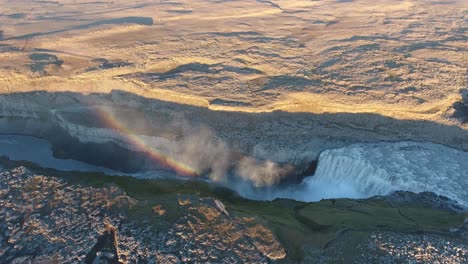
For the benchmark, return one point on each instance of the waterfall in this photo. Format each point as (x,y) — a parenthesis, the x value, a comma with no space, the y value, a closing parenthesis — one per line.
(364,170)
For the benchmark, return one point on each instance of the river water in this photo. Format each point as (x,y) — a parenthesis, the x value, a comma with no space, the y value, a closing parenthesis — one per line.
(354,171)
(39,151)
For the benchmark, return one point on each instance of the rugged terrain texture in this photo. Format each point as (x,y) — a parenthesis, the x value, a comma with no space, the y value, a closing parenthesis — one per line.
(280,136)
(276,80)
(78,217)
(203,86)
(405,59)
(45,219)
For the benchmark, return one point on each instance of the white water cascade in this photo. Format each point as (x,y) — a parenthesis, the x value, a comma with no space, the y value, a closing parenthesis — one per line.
(364,170)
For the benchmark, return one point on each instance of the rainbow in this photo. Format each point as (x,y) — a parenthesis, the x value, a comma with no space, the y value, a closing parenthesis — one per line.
(158,157)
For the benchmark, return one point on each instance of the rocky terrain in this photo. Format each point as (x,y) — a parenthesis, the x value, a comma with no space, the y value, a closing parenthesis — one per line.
(47,220)
(239,92)
(58,217)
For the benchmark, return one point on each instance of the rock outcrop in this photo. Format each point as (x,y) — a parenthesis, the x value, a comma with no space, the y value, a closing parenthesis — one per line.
(45,220)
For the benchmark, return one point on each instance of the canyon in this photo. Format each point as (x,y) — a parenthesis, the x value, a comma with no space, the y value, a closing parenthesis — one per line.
(168,131)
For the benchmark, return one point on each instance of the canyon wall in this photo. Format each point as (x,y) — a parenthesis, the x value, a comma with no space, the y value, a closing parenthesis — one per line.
(120,122)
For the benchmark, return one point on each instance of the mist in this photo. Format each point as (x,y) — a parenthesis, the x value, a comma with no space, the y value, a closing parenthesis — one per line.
(199,148)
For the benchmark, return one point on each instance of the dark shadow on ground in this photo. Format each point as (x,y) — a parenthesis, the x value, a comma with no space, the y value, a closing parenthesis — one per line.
(240,130)
(148,21)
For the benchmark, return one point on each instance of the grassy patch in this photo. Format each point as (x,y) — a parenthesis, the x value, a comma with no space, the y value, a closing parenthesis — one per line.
(373,214)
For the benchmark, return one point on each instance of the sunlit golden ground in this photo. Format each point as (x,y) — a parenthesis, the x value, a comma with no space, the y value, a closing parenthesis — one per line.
(405,59)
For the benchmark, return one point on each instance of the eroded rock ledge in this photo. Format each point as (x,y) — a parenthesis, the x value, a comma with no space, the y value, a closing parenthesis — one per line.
(110,123)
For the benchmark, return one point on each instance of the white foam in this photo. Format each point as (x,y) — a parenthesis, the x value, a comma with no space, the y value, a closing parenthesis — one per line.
(364,170)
